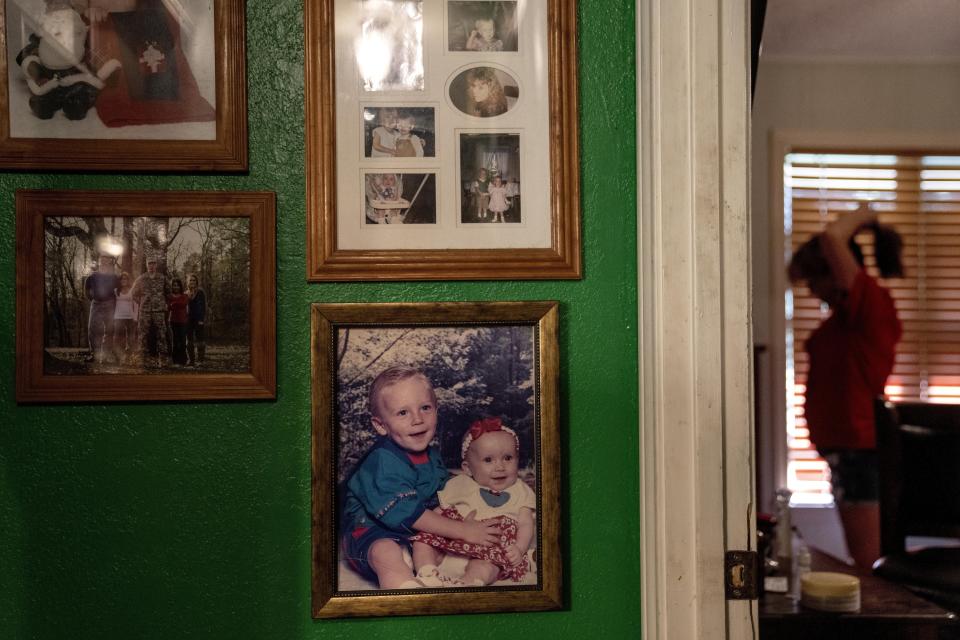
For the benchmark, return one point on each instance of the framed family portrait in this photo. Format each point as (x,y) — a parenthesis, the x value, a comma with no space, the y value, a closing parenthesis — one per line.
(442,140)
(436,458)
(145,295)
(123,85)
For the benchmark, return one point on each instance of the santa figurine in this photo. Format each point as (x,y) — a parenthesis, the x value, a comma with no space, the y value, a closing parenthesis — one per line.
(54,64)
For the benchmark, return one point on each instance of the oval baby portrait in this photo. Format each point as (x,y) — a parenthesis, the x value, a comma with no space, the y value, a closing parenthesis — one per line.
(483,91)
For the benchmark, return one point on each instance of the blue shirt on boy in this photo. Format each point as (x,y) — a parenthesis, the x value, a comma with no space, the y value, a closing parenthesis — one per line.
(388,492)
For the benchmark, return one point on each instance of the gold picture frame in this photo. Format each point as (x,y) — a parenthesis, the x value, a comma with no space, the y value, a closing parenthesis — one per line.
(352,344)
(530,138)
(186,112)
(222,345)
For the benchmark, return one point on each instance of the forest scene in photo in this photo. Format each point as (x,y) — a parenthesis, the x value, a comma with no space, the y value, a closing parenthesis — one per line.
(477,372)
(146,295)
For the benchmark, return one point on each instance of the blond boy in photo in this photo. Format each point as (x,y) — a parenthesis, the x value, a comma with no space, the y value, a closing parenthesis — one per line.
(391,494)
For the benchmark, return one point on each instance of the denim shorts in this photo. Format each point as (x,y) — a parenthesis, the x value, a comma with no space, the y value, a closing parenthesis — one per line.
(854,475)
(356,547)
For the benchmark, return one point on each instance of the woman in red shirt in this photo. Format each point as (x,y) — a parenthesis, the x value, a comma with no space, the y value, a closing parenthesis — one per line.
(177,319)
(851,354)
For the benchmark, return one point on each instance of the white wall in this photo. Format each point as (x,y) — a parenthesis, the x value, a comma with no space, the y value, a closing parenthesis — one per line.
(869,97)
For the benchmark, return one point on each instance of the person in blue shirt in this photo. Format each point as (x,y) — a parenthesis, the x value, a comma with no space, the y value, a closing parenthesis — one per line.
(391,494)
(100,289)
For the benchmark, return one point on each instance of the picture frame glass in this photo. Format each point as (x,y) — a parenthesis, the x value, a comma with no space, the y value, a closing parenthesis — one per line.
(473,392)
(117,70)
(435,458)
(142,295)
(389,45)
(145,295)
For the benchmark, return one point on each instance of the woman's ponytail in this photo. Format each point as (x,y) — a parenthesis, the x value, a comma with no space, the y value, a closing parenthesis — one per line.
(888,250)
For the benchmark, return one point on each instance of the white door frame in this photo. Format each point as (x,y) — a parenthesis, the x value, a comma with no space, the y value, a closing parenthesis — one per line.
(696,433)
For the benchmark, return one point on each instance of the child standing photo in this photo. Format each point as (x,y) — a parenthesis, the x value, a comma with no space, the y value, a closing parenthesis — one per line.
(385,136)
(498,199)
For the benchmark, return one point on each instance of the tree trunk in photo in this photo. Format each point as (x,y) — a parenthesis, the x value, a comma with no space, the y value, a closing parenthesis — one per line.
(343,349)
(53,312)
(156,242)
(126,260)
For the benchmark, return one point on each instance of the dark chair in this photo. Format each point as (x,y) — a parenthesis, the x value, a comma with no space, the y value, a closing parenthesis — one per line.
(919,457)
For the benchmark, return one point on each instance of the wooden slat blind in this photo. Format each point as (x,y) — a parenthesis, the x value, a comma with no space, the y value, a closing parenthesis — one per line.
(920,196)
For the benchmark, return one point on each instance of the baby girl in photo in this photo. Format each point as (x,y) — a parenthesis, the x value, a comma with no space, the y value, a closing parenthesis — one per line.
(484,37)
(488,489)
(385,204)
(498,199)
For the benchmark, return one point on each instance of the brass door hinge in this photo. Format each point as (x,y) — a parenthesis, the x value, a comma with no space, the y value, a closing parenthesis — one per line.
(741,572)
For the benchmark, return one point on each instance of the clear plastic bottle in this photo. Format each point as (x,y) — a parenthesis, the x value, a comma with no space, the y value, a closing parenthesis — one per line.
(783,540)
(802,568)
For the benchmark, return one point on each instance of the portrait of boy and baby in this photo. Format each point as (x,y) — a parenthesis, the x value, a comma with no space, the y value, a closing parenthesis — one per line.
(437,470)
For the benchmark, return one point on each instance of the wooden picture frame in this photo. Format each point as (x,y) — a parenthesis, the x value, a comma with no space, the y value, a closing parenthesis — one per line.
(186,112)
(354,347)
(87,334)
(531,143)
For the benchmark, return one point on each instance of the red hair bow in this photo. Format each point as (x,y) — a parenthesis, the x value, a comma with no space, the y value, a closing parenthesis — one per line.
(484,425)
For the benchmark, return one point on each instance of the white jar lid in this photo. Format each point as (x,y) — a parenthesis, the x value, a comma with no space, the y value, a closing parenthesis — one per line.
(828,591)
(825,584)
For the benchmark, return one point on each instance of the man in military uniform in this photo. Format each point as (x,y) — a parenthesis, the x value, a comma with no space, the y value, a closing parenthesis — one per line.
(150,291)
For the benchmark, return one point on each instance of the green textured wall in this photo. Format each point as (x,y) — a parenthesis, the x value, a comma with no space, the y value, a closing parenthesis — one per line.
(193,520)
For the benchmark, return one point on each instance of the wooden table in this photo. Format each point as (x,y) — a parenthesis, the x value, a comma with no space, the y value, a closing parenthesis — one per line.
(887,611)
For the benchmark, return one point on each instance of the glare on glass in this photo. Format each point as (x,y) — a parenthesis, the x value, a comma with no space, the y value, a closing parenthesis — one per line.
(390,45)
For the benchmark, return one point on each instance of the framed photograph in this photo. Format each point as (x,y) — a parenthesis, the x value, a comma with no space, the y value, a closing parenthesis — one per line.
(436,453)
(123,85)
(483,91)
(473,94)
(400,198)
(485,26)
(489,177)
(399,132)
(145,295)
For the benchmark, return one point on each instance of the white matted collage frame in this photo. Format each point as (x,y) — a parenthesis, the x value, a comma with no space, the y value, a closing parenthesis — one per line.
(441,140)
